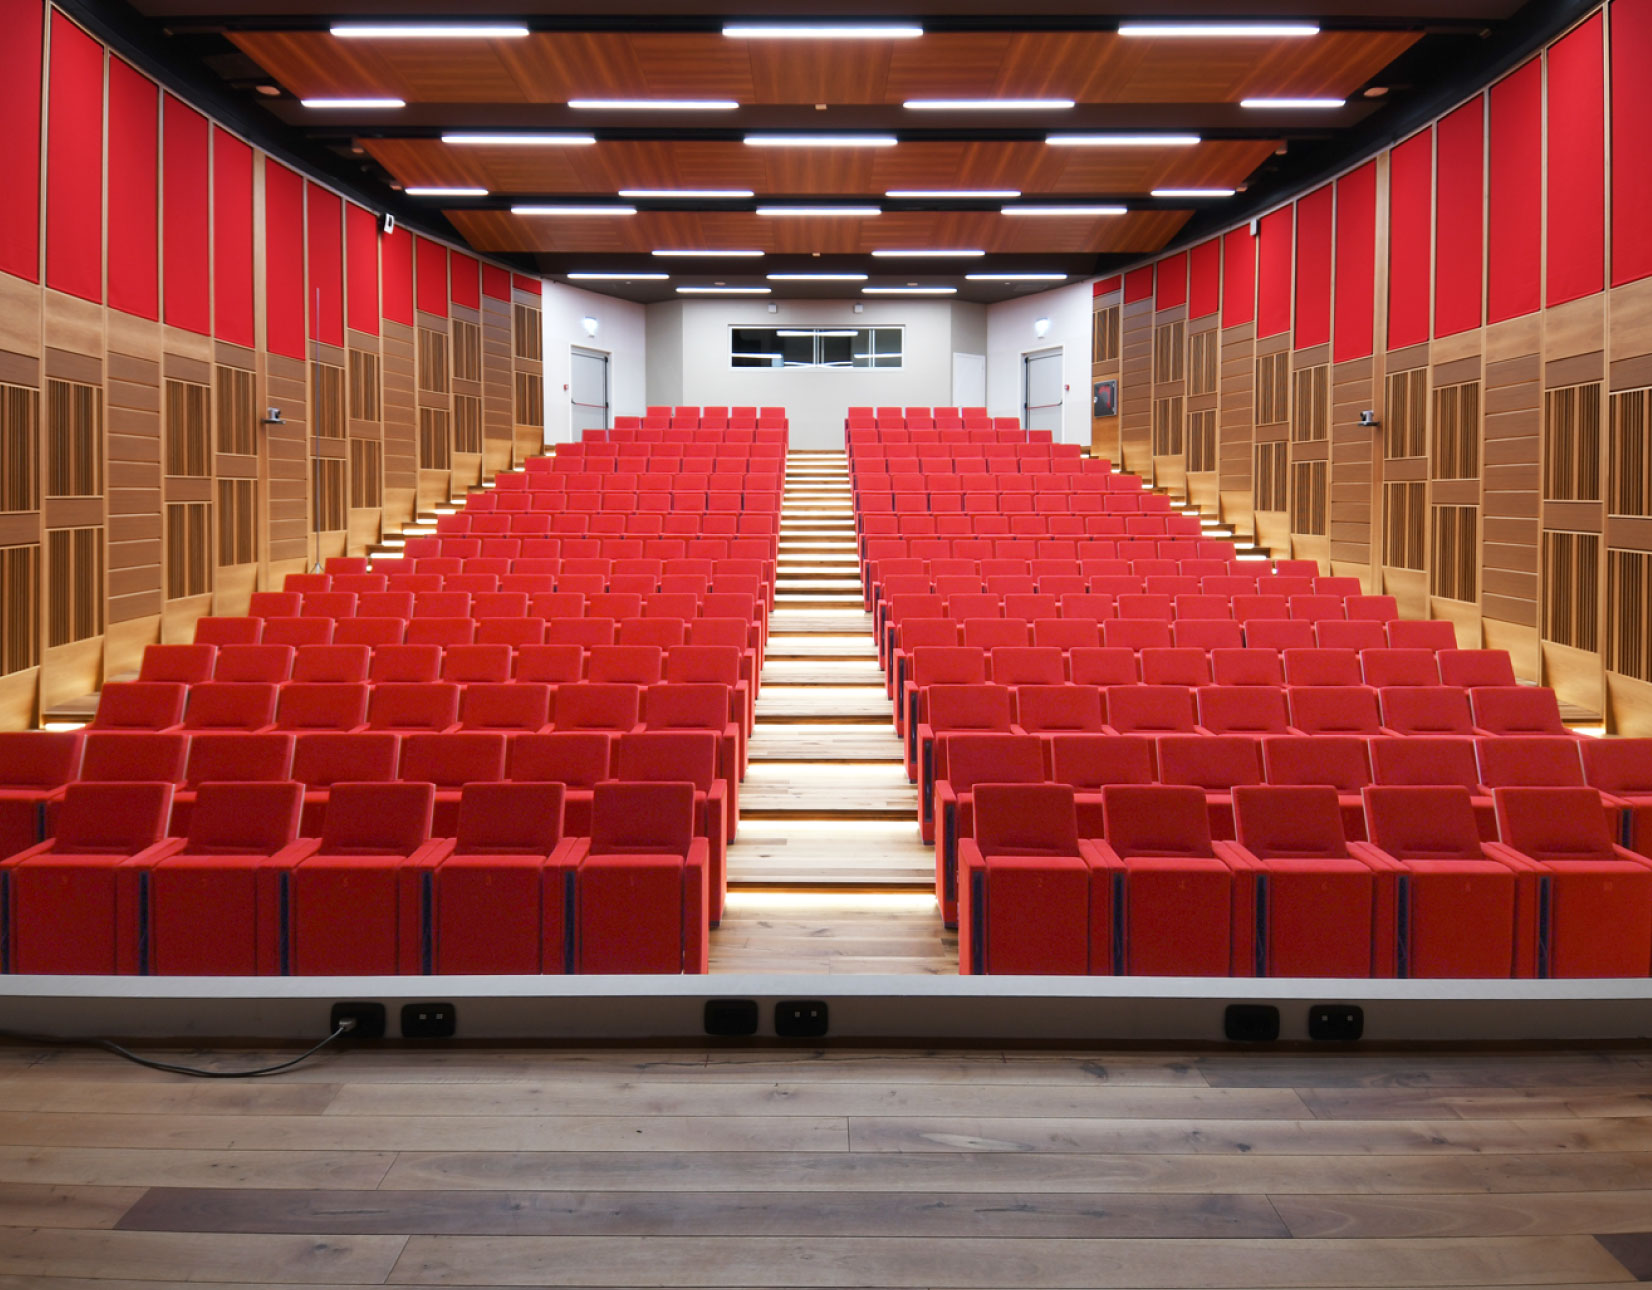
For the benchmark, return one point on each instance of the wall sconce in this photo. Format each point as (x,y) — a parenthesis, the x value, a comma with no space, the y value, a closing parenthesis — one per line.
(1041,328)
(590,324)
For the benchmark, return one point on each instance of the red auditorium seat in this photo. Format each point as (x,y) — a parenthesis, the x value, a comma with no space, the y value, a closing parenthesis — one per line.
(1623,768)
(187,664)
(1321,667)
(1342,762)
(1425,710)
(520,707)
(974,759)
(1049,710)
(1241,709)
(298,631)
(576,760)
(338,664)
(1422,633)
(228,631)
(1425,760)
(140,706)
(230,705)
(413,708)
(925,666)
(323,758)
(1250,666)
(1516,710)
(450,761)
(1090,763)
(674,756)
(1150,709)
(1027,905)
(670,706)
(303,706)
(34,767)
(1214,764)
(1334,710)
(1385,668)
(272,664)
(223,758)
(1472,668)
(954,709)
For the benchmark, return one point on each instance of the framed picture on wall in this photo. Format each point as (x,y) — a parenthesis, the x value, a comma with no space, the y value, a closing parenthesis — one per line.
(1104,399)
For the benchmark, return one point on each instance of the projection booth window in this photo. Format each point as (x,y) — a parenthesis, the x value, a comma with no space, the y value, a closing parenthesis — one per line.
(780,347)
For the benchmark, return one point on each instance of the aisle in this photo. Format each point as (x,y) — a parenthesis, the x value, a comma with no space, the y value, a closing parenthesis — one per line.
(828,873)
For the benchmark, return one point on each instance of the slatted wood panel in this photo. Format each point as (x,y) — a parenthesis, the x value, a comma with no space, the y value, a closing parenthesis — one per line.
(528,334)
(1201,439)
(1571,589)
(237,521)
(1136,386)
(1308,497)
(1355,511)
(1405,433)
(287,448)
(435,440)
(364,385)
(467,423)
(237,410)
(1511,475)
(1571,443)
(401,421)
(467,351)
(331,495)
(1202,361)
(188,549)
(19,607)
(1272,476)
(74,584)
(1457,432)
(1629,454)
(1405,524)
(1170,351)
(74,439)
(530,399)
(188,430)
(1235,431)
(1167,426)
(1629,613)
(327,382)
(433,361)
(19,435)
(1273,391)
(498,386)
(1104,335)
(1311,404)
(1455,556)
(366,474)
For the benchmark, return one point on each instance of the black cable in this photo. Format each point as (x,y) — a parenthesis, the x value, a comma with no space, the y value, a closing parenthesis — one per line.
(345,1026)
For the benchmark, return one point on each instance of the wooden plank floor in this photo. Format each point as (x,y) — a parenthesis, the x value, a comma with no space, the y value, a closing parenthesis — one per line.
(783,1167)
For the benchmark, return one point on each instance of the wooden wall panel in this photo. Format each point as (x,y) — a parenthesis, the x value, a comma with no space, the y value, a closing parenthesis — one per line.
(1136,384)
(133,497)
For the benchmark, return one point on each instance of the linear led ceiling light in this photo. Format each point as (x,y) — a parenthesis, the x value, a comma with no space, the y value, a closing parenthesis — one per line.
(446,192)
(1309,104)
(673,194)
(336,104)
(618,277)
(1015,277)
(1122,140)
(927,255)
(822,31)
(653,105)
(724,291)
(573,210)
(522,140)
(821,141)
(428,30)
(1193,192)
(843,212)
(817,331)
(1220,30)
(1069,211)
(908,291)
(987,105)
(815,277)
(955,194)
(703,254)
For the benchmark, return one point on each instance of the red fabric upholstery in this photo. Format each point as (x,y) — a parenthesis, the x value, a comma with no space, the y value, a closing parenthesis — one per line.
(642,883)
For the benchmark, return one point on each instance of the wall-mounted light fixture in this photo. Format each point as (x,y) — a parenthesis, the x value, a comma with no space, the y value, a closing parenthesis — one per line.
(1041,328)
(590,324)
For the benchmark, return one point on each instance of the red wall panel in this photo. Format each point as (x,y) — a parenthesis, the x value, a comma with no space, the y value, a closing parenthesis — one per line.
(1577,164)
(232,317)
(23,21)
(522,282)
(1514,196)
(430,259)
(1204,293)
(1410,229)
(324,305)
(396,261)
(1356,260)
(1313,267)
(1238,277)
(1273,273)
(1100,287)
(283,261)
(361,269)
(1631,140)
(184,218)
(1172,281)
(467,287)
(74,162)
(134,158)
(1138,284)
(1459,245)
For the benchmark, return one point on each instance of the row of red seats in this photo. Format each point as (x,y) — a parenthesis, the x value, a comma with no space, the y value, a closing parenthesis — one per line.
(653,459)
(1006,457)
(519,633)
(585,535)
(683,606)
(377,893)
(1155,895)
(560,503)
(735,431)
(963,429)
(483,575)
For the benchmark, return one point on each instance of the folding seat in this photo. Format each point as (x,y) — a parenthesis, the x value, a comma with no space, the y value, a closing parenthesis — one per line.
(363,584)
(116,756)
(1260,606)
(1090,606)
(1315,609)
(1516,710)
(1473,668)
(1136,633)
(576,761)
(1104,666)
(1383,668)
(441,631)
(661,633)
(980,605)
(184,664)
(1176,586)
(1018,665)
(589,633)
(1241,709)
(1027,903)
(1150,710)
(1252,665)
(328,604)
(267,663)
(246,706)
(34,767)
(1185,666)
(625,664)
(1051,710)
(714,665)
(512,632)
(997,633)
(928,665)
(441,604)
(614,604)
(68,906)
(1425,710)
(1334,710)
(1553,762)
(1214,764)
(1228,584)
(1279,634)
(414,708)
(299,632)
(1149,607)
(275,604)
(1377,609)
(702,707)
(1113,585)
(476,664)
(1338,633)
(139,706)
(408,663)
(1422,633)
(353,910)
(1622,768)
(1030,607)
(1206,634)
(331,663)
(304,706)
(557,604)
(1202,606)
(1066,633)
(1341,762)
(228,631)
(675,756)
(1433,761)
(1584,904)
(1173,896)
(591,707)
(954,709)
(1321,667)
(304,583)
(1452,904)
(731,633)
(514,708)
(372,632)
(218,757)
(450,761)
(499,604)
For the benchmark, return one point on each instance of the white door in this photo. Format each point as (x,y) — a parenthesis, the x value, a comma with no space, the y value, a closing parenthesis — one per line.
(1041,391)
(587,392)
(969,380)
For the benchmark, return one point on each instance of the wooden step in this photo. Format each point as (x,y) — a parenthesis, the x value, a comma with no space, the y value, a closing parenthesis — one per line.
(816,791)
(805,741)
(827,704)
(822,672)
(830,852)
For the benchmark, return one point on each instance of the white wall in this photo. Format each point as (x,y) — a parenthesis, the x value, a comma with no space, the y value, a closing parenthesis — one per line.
(1010,336)
(621,334)
(815,399)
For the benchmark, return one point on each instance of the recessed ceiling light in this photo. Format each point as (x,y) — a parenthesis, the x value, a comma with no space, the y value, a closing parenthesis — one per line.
(1122,140)
(522,140)
(815,277)
(1070,211)
(797,333)
(927,255)
(1015,277)
(669,194)
(612,277)
(824,211)
(821,141)
(724,291)
(955,194)
(909,291)
(446,192)
(1233,30)
(428,30)
(987,105)
(1293,103)
(653,105)
(268,91)
(822,31)
(333,104)
(703,254)
(573,210)
(1193,192)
